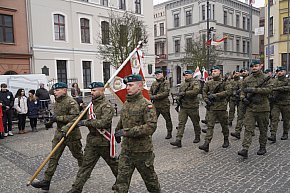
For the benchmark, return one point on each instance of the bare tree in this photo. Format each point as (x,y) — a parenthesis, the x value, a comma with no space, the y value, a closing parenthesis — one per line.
(196,54)
(123,34)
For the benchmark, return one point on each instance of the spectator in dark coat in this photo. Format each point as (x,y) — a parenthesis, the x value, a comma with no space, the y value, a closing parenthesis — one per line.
(33,109)
(7,99)
(43,96)
(77,94)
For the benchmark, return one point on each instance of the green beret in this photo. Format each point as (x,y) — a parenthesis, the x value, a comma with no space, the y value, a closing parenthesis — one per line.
(215,68)
(187,72)
(243,70)
(267,71)
(132,78)
(254,62)
(280,68)
(158,71)
(96,85)
(59,85)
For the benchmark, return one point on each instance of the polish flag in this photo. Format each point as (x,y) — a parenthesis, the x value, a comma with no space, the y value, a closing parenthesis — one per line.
(197,73)
(216,42)
(204,74)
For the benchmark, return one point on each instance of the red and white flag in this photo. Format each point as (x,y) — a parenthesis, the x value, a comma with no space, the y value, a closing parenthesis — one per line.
(132,65)
(204,74)
(216,42)
(197,73)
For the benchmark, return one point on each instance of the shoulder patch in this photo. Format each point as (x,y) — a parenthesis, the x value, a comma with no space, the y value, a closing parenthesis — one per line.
(150,106)
(72,103)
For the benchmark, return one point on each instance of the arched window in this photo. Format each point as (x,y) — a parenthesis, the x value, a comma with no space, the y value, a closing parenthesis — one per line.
(85,30)
(59,27)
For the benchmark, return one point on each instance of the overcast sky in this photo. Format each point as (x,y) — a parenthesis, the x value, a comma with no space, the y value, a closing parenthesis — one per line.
(258,3)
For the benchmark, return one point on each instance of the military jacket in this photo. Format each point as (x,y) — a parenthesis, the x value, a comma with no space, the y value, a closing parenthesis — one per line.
(160,89)
(104,114)
(191,88)
(223,92)
(66,110)
(259,101)
(282,95)
(139,121)
(235,86)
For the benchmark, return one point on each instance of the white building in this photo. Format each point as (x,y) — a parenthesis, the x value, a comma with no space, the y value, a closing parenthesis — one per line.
(65,35)
(187,20)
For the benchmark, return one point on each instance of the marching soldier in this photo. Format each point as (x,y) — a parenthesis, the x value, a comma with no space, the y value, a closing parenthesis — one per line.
(281,104)
(66,109)
(99,117)
(137,124)
(254,94)
(234,98)
(189,107)
(215,94)
(159,93)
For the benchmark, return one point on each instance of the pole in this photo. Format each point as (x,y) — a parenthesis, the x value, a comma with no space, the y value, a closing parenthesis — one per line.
(268,34)
(250,31)
(288,31)
(57,146)
(208,32)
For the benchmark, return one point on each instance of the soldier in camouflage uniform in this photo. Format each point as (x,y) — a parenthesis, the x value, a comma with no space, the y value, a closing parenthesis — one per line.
(65,110)
(137,124)
(215,94)
(97,145)
(189,107)
(241,109)
(159,92)
(254,94)
(234,98)
(281,104)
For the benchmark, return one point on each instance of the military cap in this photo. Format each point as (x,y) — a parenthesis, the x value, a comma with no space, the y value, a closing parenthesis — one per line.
(59,85)
(215,68)
(255,62)
(187,72)
(243,70)
(280,68)
(96,85)
(158,71)
(267,71)
(132,78)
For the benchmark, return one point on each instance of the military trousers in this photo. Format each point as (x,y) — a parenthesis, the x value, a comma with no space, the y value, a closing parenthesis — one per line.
(183,115)
(143,162)
(232,110)
(91,156)
(275,117)
(251,118)
(241,114)
(213,117)
(165,112)
(75,147)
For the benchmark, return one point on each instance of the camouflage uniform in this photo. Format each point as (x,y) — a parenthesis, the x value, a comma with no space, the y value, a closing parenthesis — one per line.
(281,104)
(97,146)
(189,107)
(159,92)
(234,100)
(257,110)
(139,121)
(66,109)
(218,110)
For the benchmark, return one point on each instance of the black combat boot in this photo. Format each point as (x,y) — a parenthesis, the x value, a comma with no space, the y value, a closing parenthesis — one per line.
(284,136)
(169,135)
(272,138)
(243,153)
(236,135)
(74,191)
(204,130)
(261,151)
(43,184)
(197,139)
(205,146)
(177,143)
(226,142)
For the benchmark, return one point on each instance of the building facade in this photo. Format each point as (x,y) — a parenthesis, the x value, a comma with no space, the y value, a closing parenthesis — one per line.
(66,35)
(278,35)
(15,54)
(186,21)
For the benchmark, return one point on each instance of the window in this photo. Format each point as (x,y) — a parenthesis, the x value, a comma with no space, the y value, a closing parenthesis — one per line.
(177,46)
(238,21)
(271,2)
(87,73)
(203,12)
(209,11)
(248,47)
(59,27)
(244,22)
(105,32)
(138,6)
(225,17)
(155,30)
(106,71)
(286,25)
(248,23)
(238,45)
(85,30)
(176,20)
(150,68)
(188,17)
(6,29)
(61,71)
(271,32)
(156,53)
(162,46)
(122,4)
(213,12)
(284,59)
(244,46)
(161,29)
(225,45)
(188,43)
(123,35)
(104,3)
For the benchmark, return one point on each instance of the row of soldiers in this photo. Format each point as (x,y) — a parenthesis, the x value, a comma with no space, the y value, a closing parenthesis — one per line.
(256,96)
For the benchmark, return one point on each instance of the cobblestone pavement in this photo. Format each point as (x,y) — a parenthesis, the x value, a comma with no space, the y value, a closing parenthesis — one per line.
(180,170)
